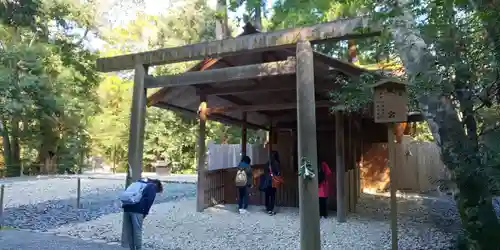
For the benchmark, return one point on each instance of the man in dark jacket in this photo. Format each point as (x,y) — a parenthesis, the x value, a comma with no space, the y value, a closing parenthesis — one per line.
(135,213)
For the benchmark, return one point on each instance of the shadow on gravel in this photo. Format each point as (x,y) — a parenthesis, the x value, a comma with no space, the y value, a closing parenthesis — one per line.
(54,213)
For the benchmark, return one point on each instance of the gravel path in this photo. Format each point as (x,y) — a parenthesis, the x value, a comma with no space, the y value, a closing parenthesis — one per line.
(49,203)
(16,240)
(175,225)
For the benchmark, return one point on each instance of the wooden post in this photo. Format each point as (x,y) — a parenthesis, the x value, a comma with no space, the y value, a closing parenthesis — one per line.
(355,166)
(306,124)
(352,190)
(349,162)
(339,152)
(78,191)
(361,159)
(270,135)
(392,173)
(346,191)
(136,134)
(201,184)
(114,159)
(244,135)
(2,193)
(137,124)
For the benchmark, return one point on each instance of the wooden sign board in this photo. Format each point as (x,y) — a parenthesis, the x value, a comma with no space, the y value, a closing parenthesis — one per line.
(390,102)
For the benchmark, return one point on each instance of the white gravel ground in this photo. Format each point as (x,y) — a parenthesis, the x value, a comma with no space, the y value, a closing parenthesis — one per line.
(174,224)
(49,203)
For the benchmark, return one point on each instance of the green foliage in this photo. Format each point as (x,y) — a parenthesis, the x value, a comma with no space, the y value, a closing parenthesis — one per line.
(47,83)
(456,61)
(352,96)
(422,132)
(305,169)
(168,136)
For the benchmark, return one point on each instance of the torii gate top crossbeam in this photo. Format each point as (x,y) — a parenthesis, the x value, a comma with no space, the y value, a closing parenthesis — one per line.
(336,30)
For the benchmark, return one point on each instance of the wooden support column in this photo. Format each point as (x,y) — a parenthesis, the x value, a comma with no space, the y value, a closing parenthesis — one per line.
(244,135)
(137,124)
(392,173)
(340,168)
(356,149)
(201,183)
(354,162)
(306,123)
(352,166)
(361,156)
(136,132)
(270,135)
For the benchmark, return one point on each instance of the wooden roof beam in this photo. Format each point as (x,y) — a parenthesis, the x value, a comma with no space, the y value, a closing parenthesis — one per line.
(341,29)
(215,117)
(263,88)
(265,107)
(237,73)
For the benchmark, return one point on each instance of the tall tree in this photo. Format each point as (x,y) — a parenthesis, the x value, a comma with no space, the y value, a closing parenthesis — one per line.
(447,59)
(221,20)
(47,83)
(168,136)
(456,73)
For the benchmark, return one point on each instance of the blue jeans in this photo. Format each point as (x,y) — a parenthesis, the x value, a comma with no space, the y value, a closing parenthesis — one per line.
(132,230)
(243,197)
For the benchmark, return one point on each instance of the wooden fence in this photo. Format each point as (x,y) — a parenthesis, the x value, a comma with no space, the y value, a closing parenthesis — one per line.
(220,178)
(224,156)
(419,166)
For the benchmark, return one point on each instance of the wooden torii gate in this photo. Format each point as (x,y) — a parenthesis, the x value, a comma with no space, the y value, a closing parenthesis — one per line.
(302,66)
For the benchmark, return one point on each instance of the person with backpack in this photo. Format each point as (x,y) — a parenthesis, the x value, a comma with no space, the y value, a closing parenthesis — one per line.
(243,183)
(324,173)
(137,200)
(266,181)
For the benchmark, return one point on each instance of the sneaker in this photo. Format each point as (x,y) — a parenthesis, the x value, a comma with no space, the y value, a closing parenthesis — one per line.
(243,211)
(271,213)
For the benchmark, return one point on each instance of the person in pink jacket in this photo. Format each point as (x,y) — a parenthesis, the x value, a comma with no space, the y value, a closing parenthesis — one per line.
(323,188)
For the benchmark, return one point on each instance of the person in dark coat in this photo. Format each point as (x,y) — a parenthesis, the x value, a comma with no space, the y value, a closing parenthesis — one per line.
(266,181)
(134,214)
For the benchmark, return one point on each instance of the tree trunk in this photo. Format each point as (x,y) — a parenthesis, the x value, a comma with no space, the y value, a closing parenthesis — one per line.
(221,23)
(258,16)
(47,150)
(458,151)
(6,144)
(11,150)
(15,170)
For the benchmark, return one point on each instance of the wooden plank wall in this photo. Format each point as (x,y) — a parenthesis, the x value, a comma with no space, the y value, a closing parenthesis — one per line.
(287,194)
(215,188)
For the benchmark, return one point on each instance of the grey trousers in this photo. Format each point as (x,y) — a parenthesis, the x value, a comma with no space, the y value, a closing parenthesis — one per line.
(132,231)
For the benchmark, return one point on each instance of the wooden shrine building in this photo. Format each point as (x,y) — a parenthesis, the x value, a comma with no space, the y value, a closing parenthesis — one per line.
(272,81)
(261,94)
